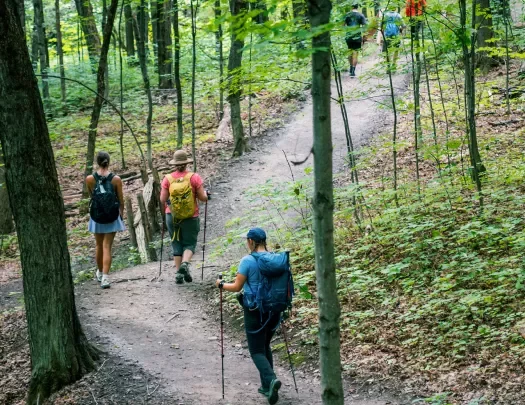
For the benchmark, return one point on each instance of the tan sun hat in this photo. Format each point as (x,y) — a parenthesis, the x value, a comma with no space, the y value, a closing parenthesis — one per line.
(180,158)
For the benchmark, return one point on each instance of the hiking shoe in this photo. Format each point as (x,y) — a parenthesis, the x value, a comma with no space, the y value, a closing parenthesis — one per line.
(273,391)
(185,271)
(99,276)
(105,283)
(179,278)
(263,391)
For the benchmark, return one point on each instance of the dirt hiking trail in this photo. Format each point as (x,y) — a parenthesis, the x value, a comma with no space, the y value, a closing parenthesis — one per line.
(172,331)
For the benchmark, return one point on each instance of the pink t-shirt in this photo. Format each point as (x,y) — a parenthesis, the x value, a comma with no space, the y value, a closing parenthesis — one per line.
(195,181)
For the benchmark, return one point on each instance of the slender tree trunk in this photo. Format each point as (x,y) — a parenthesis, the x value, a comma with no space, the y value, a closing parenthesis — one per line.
(219,44)
(34,46)
(485,33)
(299,10)
(234,79)
(194,10)
(260,6)
(60,352)
(59,51)
(164,54)
(130,43)
(145,77)
(470,94)
(121,77)
(154,29)
(323,209)
(143,25)
(178,87)
(507,60)
(121,85)
(6,216)
(415,48)
(41,39)
(101,84)
(103,24)
(89,27)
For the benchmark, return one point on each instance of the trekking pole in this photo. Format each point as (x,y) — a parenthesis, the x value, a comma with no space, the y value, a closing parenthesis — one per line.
(161,249)
(204,240)
(283,330)
(222,338)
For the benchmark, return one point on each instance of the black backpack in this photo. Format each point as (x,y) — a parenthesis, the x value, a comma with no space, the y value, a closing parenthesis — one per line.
(104,204)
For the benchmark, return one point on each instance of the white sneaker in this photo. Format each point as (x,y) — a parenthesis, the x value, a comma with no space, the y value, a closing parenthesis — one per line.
(105,283)
(99,276)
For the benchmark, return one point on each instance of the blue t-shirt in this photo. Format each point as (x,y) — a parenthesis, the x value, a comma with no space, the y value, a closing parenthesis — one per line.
(250,269)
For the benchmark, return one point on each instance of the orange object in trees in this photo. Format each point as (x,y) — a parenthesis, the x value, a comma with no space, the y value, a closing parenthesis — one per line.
(415,8)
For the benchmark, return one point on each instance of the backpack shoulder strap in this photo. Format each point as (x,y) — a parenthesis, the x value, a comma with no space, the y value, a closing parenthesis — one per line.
(170,178)
(188,176)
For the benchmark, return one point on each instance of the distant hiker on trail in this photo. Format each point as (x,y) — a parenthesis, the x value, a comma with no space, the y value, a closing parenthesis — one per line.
(105,210)
(392,27)
(356,22)
(179,193)
(263,300)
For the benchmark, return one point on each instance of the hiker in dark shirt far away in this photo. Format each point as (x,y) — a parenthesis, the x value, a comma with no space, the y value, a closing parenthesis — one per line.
(355,23)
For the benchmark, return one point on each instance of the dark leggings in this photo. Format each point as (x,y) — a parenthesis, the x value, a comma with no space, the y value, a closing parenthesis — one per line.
(259,343)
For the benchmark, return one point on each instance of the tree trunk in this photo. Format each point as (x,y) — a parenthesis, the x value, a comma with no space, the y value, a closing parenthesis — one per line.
(416,79)
(262,16)
(145,77)
(143,21)
(41,40)
(130,43)
(154,29)
(220,52)
(101,84)
(6,217)
(323,208)
(178,87)
(234,79)
(89,27)
(194,9)
(163,49)
(299,9)
(60,352)
(59,51)
(470,94)
(485,33)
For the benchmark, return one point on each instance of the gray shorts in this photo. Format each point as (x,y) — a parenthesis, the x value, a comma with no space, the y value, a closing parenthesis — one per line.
(186,232)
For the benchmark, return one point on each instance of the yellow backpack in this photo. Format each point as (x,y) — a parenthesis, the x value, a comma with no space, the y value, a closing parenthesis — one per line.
(181,197)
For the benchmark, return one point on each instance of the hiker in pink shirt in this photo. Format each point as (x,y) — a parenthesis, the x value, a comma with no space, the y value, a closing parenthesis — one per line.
(180,193)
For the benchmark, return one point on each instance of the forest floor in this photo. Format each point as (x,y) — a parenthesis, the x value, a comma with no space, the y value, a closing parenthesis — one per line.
(162,340)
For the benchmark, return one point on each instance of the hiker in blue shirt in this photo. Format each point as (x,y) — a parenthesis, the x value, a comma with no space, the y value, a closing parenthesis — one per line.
(259,327)
(356,22)
(392,27)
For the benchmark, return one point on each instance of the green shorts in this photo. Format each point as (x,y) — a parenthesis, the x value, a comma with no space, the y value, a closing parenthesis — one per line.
(186,231)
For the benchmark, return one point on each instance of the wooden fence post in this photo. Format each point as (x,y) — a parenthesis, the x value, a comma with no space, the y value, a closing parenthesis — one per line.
(151,253)
(131,222)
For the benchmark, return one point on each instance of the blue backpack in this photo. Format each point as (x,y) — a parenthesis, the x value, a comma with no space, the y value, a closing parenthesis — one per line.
(276,289)
(392,28)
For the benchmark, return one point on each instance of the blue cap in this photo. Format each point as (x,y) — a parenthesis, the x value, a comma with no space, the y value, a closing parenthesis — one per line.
(256,234)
